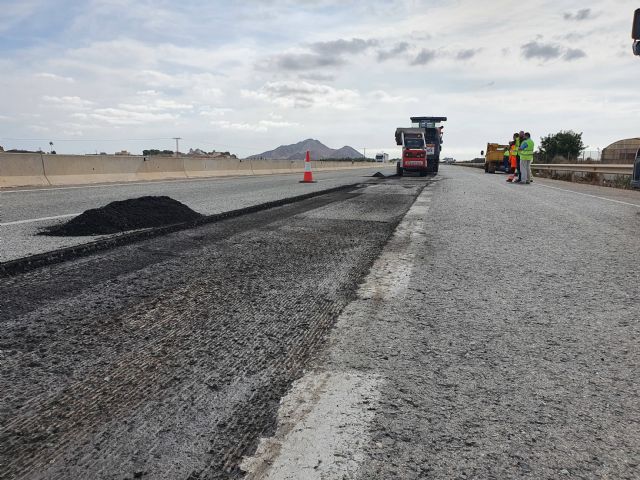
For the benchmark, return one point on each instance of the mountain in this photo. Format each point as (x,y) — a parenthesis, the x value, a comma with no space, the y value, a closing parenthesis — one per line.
(317,149)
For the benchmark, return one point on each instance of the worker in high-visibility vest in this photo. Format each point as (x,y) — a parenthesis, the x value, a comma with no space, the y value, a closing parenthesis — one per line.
(513,153)
(526,157)
(505,161)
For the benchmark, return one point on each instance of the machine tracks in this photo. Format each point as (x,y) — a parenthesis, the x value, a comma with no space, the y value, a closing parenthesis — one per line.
(168,358)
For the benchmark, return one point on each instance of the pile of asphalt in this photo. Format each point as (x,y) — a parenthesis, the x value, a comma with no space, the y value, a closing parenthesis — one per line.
(125,215)
(379,175)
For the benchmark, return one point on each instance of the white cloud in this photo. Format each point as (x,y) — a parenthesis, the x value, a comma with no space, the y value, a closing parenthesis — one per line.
(53,76)
(117,68)
(303,94)
(215,112)
(68,102)
(277,124)
(261,126)
(384,97)
(226,125)
(121,117)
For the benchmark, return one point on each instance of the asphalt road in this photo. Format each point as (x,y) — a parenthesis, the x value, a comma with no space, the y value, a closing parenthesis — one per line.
(167,358)
(491,333)
(495,337)
(25,211)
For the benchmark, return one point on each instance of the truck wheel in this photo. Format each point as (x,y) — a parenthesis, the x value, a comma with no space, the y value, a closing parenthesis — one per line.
(399,171)
(423,173)
(486,168)
(436,166)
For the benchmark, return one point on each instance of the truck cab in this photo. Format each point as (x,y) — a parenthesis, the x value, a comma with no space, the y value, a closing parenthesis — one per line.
(414,151)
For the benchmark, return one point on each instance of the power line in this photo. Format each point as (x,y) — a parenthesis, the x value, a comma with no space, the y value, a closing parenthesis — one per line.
(85,140)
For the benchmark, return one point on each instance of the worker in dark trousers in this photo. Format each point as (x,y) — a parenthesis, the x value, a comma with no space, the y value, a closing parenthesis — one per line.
(518,138)
(505,160)
(513,153)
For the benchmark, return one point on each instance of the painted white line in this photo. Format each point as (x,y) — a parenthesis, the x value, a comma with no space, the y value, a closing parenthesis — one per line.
(589,195)
(323,422)
(322,429)
(42,219)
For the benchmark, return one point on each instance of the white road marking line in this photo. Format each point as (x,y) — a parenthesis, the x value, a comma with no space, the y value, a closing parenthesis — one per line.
(323,426)
(42,219)
(322,429)
(590,195)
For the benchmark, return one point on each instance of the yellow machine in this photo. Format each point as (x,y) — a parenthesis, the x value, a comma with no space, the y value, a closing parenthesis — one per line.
(494,158)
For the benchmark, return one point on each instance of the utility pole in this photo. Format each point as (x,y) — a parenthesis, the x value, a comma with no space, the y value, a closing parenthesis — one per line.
(177,139)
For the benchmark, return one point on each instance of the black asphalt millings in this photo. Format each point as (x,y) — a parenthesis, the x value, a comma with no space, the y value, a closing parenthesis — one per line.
(125,215)
(379,175)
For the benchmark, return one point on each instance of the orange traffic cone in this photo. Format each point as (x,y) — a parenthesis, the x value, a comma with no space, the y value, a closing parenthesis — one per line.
(308,175)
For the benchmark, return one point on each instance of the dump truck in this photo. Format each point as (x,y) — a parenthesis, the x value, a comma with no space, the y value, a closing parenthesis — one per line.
(421,145)
(494,158)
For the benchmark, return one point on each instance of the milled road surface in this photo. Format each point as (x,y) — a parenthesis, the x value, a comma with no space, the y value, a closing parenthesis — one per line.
(25,211)
(495,337)
(166,359)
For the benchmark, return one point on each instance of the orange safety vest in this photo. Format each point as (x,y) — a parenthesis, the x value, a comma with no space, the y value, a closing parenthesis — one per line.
(513,150)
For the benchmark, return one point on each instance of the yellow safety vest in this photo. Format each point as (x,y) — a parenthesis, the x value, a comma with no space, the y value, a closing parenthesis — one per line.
(527,152)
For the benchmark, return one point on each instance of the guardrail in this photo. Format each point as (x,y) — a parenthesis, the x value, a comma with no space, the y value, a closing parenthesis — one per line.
(604,168)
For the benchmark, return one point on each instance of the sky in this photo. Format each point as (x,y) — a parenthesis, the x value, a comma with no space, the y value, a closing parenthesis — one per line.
(245,77)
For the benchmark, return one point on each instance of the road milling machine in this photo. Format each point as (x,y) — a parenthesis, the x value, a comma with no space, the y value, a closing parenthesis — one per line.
(421,145)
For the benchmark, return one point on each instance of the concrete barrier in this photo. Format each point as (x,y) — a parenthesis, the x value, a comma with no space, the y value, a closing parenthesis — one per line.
(83,169)
(21,170)
(213,167)
(159,167)
(269,167)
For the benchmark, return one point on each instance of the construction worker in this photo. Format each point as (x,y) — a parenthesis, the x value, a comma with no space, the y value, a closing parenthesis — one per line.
(505,161)
(519,140)
(516,141)
(526,157)
(513,153)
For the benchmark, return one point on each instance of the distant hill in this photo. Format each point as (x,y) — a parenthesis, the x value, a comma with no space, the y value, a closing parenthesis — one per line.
(317,149)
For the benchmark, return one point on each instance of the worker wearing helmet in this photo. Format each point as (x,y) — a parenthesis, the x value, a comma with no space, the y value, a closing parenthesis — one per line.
(526,157)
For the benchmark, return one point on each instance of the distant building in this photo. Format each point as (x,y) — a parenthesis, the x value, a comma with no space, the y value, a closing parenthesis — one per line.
(196,153)
(123,152)
(622,151)
(1,149)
